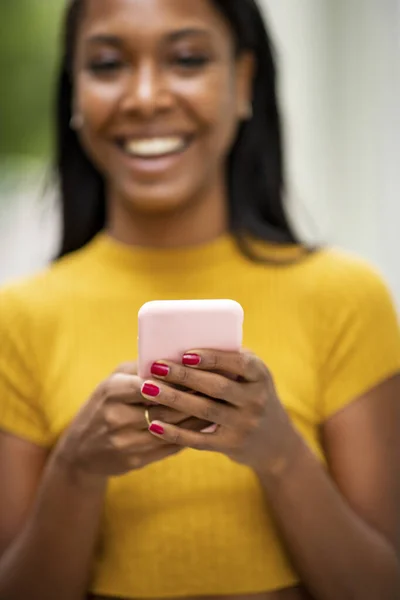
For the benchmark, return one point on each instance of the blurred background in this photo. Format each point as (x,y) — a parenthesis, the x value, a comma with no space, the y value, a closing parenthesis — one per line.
(340,88)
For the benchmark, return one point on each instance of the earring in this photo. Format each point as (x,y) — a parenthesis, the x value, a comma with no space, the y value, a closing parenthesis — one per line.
(76,122)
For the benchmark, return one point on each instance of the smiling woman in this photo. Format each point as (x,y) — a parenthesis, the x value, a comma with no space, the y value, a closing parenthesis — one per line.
(194,78)
(172,69)
(170,162)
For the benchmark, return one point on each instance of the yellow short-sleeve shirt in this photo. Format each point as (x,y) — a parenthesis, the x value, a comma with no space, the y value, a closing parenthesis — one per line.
(194,524)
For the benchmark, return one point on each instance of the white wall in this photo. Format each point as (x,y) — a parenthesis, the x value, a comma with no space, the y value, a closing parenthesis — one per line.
(341,92)
(28,220)
(368,139)
(302,31)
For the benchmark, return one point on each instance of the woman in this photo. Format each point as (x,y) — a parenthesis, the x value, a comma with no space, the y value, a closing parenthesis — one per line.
(170,161)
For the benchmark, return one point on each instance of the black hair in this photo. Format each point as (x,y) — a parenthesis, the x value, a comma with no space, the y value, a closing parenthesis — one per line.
(255,165)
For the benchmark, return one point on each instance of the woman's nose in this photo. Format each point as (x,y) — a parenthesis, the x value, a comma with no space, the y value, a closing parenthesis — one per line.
(147,92)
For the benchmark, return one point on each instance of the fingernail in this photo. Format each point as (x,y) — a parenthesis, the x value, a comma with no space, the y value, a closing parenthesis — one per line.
(148,389)
(191,360)
(154,428)
(160,370)
(210,429)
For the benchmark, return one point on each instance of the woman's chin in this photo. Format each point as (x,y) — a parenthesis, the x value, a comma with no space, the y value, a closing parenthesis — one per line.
(155,206)
(156,201)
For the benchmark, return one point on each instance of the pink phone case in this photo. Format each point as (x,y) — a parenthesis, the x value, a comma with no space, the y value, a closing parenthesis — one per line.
(169,328)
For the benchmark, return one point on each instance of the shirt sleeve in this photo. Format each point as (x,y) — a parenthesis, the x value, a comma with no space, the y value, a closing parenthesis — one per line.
(20,391)
(364,338)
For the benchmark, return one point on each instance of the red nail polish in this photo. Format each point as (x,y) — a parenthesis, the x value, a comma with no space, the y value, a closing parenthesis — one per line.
(160,370)
(191,360)
(154,428)
(148,389)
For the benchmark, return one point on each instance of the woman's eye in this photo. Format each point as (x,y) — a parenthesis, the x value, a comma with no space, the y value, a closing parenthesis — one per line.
(105,66)
(191,61)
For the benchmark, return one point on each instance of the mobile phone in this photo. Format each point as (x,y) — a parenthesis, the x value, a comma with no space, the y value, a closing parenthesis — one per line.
(169,328)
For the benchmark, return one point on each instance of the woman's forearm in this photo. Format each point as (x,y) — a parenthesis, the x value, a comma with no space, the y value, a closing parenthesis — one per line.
(336,553)
(52,556)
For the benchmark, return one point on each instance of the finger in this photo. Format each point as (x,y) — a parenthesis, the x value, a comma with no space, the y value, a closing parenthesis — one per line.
(124,416)
(193,424)
(120,416)
(197,406)
(166,414)
(242,364)
(129,368)
(128,442)
(185,438)
(209,384)
(121,387)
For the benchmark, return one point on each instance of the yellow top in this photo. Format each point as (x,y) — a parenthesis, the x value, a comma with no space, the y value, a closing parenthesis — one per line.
(195,524)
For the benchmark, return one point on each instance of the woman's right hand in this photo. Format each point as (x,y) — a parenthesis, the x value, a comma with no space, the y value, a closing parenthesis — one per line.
(110,437)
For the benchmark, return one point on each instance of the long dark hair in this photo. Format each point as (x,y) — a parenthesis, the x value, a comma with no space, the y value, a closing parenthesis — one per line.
(255,166)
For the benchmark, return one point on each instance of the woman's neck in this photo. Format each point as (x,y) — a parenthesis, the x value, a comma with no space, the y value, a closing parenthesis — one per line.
(197,222)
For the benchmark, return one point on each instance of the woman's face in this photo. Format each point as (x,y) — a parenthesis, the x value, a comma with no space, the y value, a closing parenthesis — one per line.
(161,94)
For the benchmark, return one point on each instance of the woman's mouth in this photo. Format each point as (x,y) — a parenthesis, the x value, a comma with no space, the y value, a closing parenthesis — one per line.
(148,158)
(154,148)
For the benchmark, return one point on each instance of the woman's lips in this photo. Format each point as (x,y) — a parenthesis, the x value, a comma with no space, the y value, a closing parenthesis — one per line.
(153,155)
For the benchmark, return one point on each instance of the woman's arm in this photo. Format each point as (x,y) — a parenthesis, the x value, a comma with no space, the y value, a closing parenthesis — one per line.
(343,533)
(47,544)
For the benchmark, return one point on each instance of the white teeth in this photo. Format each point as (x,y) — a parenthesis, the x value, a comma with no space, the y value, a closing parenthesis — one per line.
(154,147)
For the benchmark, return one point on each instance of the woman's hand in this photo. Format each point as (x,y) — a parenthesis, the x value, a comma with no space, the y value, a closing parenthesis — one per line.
(110,435)
(252,425)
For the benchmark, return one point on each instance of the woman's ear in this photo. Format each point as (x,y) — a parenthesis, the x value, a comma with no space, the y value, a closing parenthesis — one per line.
(246,66)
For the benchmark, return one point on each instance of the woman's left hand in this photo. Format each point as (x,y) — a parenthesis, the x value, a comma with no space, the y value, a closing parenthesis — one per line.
(252,426)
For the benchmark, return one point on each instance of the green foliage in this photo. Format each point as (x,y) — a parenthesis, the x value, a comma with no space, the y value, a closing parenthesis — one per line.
(28,55)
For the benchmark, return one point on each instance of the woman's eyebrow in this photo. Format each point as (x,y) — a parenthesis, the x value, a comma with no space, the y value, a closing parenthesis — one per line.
(188,32)
(109,40)
(173,36)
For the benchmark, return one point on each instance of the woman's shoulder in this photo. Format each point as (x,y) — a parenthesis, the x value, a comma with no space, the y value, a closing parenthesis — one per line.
(30,309)
(339,262)
(327,279)
(357,327)
(341,278)
(41,291)
(327,265)
(23,294)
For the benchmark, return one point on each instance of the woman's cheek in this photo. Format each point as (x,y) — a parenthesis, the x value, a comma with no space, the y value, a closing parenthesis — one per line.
(98,101)
(207,97)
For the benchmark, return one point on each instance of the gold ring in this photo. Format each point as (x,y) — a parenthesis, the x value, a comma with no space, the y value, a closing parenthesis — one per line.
(147,417)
